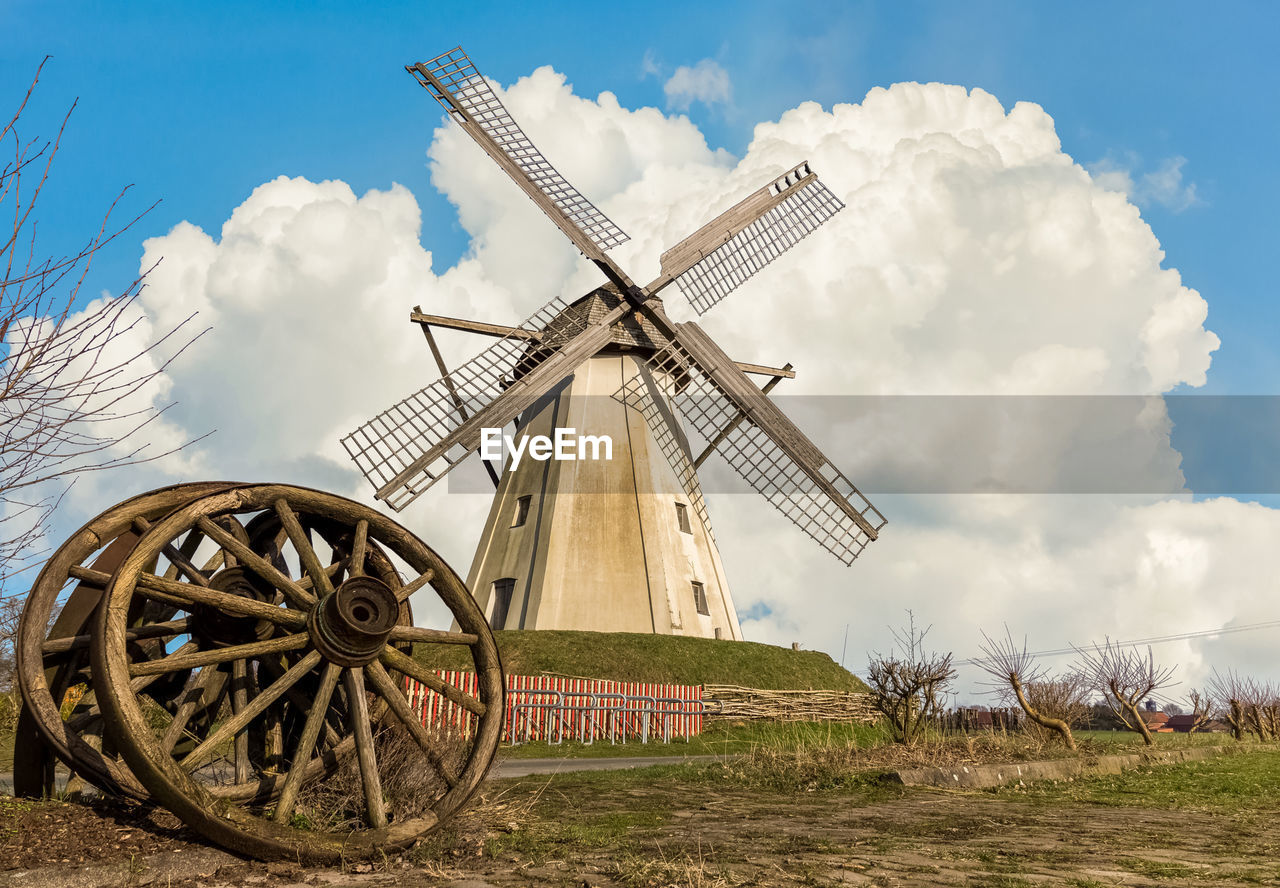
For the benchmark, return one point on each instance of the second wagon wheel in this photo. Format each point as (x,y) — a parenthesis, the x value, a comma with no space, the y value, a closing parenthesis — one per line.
(319,660)
(53,656)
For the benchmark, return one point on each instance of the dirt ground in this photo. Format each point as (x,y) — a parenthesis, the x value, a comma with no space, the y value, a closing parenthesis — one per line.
(651,836)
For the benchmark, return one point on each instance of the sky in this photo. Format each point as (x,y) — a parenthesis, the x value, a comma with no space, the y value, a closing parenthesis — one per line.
(1041,200)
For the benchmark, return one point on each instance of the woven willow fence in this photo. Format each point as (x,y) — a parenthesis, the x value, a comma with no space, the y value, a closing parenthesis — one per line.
(731,701)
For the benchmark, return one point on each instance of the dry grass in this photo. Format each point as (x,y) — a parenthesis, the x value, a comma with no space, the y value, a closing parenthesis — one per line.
(683,870)
(410,785)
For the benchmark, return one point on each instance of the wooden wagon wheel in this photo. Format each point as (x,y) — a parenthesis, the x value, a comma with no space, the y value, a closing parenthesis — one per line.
(323,653)
(53,659)
(51,666)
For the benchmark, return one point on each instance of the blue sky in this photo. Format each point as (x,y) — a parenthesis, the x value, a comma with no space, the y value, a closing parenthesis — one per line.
(197,103)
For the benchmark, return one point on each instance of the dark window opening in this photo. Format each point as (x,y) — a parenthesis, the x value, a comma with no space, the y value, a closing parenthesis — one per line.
(700,599)
(522,511)
(502,591)
(682,516)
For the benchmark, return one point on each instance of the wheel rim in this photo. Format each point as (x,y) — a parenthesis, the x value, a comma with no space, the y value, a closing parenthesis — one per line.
(329,633)
(45,675)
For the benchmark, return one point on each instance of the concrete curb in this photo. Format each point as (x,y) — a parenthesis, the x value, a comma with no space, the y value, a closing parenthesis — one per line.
(985,776)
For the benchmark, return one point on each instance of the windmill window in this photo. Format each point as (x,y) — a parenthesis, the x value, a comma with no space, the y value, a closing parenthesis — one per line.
(700,599)
(682,516)
(502,591)
(522,511)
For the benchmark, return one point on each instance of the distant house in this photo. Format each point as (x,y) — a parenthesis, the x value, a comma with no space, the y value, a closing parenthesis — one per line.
(1183,724)
(1157,722)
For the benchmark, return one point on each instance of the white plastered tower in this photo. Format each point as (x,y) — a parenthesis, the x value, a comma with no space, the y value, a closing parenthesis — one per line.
(609,545)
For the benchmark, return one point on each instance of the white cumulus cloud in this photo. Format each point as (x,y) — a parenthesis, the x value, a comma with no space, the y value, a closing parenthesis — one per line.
(1163,186)
(706,82)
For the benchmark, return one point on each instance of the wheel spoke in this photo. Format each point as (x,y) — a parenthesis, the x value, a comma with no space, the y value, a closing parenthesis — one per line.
(176,558)
(418,634)
(393,659)
(184,595)
(187,550)
(80,642)
(405,591)
(177,661)
(306,552)
(301,700)
(307,742)
(387,689)
(358,546)
(136,686)
(332,570)
(359,722)
(239,703)
(201,683)
(235,725)
(259,565)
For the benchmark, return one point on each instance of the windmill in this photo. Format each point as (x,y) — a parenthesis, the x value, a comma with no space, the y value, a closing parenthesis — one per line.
(604,546)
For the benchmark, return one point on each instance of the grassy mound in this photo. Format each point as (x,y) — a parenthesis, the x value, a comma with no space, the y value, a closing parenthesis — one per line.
(667,659)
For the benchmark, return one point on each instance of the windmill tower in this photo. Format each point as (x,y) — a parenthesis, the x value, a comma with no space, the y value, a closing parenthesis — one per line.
(622,544)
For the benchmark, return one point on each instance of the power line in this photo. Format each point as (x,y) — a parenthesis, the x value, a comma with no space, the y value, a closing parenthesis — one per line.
(1155,639)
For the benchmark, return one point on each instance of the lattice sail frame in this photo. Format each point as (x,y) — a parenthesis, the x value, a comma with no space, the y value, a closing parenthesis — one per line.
(643,393)
(729,266)
(470,90)
(754,455)
(390,442)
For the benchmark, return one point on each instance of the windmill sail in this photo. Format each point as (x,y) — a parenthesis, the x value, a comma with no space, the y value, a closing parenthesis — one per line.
(644,393)
(411,445)
(719,257)
(455,83)
(765,447)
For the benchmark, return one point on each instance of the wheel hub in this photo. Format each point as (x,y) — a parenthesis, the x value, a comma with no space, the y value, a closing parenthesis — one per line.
(218,628)
(351,625)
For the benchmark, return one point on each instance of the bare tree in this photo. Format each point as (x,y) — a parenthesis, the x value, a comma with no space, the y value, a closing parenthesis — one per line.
(909,688)
(1052,703)
(1261,710)
(73,376)
(1125,678)
(1202,706)
(1231,690)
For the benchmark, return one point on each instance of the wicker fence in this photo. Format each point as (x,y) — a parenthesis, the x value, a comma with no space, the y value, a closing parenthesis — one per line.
(731,701)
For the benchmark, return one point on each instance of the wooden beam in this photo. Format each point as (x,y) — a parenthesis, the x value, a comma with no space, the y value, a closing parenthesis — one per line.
(737,421)
(496,330)
(501,330)
(761,370)
(448,381)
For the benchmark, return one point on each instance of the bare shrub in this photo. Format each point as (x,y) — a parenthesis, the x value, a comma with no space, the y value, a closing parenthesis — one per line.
(1246,705)
(1052,704)
(1229,689)
(1125,678)
(908,687)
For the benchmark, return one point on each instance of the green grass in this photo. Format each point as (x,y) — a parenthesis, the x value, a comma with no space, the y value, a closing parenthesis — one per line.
(663,659)
(1249,781)
(1123,740)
